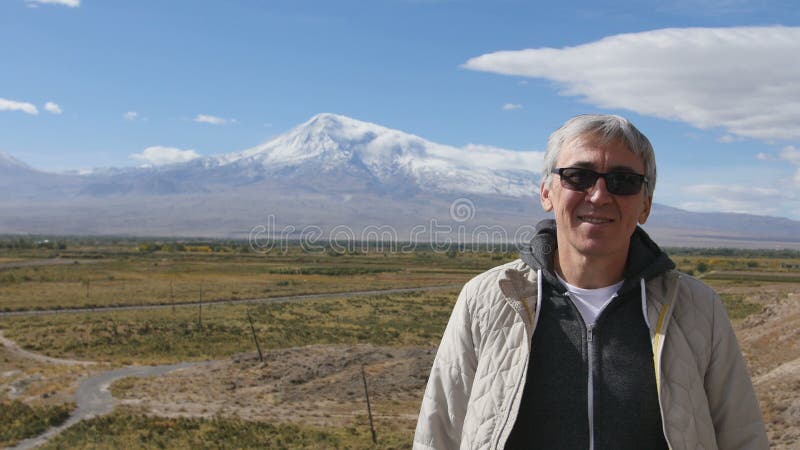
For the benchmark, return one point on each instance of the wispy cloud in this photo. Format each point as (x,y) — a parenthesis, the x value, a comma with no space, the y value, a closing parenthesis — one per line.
(11,105)
(729,139)
(159,156)
(502,159)
(764,157)
(511,106)
(70,3)
(792,155)
(52,108)
(214,120)
(734,78)
(740,199)
(781,198)
(130,116)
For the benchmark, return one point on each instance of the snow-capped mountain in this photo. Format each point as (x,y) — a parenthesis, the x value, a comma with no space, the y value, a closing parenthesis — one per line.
(330,144)
(328,172)
(331,152)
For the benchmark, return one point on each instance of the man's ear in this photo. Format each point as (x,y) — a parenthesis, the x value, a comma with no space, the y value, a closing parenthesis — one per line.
(648,202)
(544,197)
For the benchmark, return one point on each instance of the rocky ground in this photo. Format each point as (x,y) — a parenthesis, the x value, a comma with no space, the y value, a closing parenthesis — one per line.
(770,341)
(320,385)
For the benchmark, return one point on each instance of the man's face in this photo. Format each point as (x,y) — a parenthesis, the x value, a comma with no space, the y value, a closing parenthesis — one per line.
(596,223)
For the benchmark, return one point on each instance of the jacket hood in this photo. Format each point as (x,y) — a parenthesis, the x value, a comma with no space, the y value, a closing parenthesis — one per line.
(645,258)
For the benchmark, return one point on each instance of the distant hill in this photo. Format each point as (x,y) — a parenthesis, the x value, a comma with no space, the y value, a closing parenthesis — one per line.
(332,174)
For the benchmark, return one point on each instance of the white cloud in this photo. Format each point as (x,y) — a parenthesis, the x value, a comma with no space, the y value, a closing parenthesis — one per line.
(728,139)
(130,116)
(792,154)
(740,79)
(204,118)
(511,106)
(764,157)
(159,156)
(741,199)
(502,159)
(11,105)
(52,108)
(70,3)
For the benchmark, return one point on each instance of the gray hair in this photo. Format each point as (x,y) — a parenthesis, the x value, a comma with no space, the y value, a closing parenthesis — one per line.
(608,128)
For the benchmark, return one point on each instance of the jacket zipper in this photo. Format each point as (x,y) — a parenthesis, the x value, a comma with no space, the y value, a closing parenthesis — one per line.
(590,390)
(590,331)
(590,328)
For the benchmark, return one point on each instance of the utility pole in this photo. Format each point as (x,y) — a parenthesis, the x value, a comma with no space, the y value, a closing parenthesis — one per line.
(253,329)
(200,309)
(369,408)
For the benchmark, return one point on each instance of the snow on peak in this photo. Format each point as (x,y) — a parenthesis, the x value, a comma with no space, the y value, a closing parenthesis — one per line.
(334,141)
(331,138)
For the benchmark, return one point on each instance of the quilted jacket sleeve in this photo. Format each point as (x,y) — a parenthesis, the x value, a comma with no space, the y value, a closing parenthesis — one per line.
(446,397)
(738,423)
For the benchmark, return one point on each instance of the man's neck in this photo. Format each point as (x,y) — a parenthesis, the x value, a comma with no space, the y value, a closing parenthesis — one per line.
(589,272)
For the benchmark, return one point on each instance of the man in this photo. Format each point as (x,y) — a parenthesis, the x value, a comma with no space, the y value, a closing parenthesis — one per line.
(592,339)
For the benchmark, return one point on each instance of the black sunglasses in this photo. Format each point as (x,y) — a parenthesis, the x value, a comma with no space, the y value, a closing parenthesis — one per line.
(617,183)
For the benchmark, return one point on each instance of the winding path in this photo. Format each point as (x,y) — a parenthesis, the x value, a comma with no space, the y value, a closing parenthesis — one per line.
(94,398)
(15,349)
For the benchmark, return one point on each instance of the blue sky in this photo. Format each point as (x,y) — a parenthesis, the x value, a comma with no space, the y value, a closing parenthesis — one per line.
(715,84)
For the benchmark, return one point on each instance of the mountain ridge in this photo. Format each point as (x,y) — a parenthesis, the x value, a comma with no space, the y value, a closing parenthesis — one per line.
(330,171)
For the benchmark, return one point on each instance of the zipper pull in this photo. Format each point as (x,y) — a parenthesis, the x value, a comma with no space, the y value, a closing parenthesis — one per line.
(589,332)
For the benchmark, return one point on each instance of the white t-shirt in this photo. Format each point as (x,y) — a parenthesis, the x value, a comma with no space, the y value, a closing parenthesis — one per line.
(591,302)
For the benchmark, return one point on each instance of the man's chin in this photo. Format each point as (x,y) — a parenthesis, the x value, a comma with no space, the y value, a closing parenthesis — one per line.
(599,247)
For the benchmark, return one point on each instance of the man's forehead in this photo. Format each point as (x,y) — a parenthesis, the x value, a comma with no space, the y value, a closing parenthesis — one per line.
(590,151)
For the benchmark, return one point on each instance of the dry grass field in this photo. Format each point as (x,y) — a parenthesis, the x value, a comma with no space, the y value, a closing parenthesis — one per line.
(172,278)
(308,391)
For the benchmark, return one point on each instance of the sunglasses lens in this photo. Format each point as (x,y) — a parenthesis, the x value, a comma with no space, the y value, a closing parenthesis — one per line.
(617,183)
(624,183)
(578,179)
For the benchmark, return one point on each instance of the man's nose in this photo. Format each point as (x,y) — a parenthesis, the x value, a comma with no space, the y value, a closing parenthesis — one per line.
(599,192)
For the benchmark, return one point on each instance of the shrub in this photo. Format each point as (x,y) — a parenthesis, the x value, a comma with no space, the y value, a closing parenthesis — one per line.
(21,421)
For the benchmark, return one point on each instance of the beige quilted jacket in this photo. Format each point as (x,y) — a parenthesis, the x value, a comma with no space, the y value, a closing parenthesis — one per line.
(476,383)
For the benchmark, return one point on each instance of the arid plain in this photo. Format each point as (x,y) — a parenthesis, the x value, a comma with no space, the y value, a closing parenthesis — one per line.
(281,344)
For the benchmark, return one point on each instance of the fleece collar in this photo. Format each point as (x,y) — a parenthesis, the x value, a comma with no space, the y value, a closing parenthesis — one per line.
(645,259)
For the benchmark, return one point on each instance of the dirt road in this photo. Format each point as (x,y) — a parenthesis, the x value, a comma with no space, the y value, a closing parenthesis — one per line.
(16,350)
(94,398)
(289,298)
(45,262)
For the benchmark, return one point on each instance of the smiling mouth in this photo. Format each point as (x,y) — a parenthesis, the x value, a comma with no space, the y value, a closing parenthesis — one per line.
(594,220)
